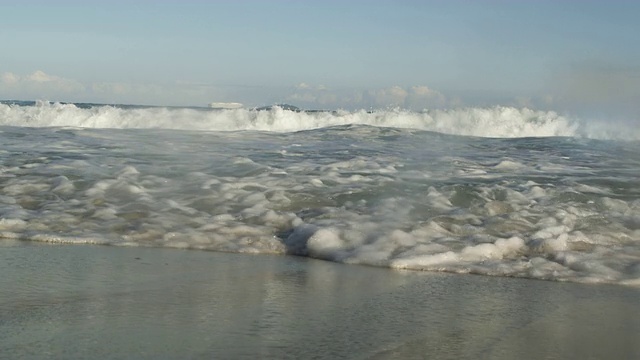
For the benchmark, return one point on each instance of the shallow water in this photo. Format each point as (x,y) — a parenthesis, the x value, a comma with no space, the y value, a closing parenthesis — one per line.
(557,208)
(113,303)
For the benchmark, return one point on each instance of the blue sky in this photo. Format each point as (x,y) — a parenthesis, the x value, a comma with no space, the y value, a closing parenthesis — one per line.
(565,55)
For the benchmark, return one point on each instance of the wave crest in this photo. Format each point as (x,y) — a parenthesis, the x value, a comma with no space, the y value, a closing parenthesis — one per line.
(498,121)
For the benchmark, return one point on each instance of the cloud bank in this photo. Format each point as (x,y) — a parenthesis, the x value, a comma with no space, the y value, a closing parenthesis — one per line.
(44,86)
(414,97)
(38,85)
(597,91)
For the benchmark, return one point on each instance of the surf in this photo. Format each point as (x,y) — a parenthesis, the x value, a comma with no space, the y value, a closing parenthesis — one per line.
(489,122)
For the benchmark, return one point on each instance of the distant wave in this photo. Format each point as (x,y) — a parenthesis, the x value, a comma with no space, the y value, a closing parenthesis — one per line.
(498,121)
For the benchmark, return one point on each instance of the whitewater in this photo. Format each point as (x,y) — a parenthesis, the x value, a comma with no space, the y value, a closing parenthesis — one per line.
(497,191)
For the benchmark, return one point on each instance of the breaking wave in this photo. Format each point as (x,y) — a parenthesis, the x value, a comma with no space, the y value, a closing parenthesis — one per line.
(498,121)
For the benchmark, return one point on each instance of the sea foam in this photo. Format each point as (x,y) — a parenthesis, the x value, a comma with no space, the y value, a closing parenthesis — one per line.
(389,195)
(498,121)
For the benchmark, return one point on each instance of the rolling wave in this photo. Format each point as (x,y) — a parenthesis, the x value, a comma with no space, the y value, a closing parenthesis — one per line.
(498,121)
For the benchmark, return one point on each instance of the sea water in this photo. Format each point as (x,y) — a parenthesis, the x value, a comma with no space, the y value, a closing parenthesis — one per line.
(495,191)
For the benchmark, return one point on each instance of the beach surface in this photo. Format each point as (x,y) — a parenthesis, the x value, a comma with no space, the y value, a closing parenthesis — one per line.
(88,301)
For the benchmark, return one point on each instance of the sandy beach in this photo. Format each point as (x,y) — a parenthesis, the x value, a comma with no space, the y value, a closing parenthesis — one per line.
(85,301)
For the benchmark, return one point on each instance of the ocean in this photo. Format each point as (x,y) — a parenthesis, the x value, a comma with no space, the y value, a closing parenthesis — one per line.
(495,191)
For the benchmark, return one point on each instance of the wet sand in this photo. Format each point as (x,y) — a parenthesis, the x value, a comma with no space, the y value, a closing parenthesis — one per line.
(86,301)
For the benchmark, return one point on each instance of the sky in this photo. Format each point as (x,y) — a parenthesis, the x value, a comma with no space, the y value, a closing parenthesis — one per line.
(565,55)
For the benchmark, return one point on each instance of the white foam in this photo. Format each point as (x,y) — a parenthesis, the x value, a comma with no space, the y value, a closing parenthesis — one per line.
(238,192)
(509,165)
(505,122)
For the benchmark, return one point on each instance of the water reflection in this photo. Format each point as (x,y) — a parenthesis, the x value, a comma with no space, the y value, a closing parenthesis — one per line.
(79,301)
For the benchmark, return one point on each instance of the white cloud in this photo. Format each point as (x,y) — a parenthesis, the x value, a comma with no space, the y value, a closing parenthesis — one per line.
(422,97)
(157,94)
(40,76)
(10,78)
(417,97)
(309,98)
(37,85)
(393,96)
(312,96)
(41,85)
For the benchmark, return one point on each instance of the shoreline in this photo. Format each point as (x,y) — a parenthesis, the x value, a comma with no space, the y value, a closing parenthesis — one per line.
(76,301)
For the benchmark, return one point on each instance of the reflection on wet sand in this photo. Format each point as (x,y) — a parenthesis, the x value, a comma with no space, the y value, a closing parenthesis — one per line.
(106,302)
